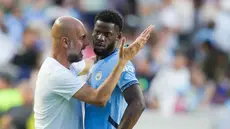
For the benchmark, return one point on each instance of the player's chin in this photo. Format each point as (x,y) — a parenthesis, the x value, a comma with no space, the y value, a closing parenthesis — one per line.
(75,57)
(99,52)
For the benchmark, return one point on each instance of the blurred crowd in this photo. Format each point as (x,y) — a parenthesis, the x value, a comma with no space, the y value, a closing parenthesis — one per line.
(183,67)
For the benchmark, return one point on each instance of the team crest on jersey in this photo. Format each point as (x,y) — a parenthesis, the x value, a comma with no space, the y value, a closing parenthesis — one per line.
(98,76)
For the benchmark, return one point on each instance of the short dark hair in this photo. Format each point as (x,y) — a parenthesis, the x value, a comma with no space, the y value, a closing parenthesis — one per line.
(111,17)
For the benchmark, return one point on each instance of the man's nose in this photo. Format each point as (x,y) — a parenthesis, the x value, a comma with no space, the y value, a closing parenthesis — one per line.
(101,37)
(86,43)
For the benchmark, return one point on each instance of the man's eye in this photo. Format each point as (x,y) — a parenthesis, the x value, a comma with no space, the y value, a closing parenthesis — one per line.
(106,34)
(83,37)
(97,32)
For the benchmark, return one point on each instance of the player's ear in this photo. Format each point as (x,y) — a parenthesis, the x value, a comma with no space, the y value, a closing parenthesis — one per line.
(65,42)
(119,35)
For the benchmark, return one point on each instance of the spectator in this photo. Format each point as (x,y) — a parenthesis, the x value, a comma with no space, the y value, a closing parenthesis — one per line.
(35,12)
(198,94)
(215,63)
(60,8)
(89,9)
(221,95)
(222,29)
(168,16)
(145,62)
(148,10)
(17,118)
(14,24)
(27,56)
(10,98)
(19,108)
(5,81)
(170,81)
(186,12)
(6,44)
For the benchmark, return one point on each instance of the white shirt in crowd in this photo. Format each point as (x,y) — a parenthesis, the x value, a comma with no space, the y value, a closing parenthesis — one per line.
(166,85)
(54,106)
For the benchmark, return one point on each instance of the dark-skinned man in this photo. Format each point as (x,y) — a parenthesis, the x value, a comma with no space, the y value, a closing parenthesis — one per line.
(126,104)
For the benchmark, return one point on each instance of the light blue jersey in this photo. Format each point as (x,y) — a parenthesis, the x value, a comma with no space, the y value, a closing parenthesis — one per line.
(108,117)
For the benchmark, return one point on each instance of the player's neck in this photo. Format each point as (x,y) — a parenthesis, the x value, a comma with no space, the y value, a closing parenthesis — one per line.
(102,57)
(61,58)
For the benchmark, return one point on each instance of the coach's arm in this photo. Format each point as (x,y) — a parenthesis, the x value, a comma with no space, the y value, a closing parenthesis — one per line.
(101,95)
(136,105)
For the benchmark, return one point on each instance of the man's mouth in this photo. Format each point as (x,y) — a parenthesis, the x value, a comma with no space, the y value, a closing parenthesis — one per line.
(99,46)
(81,54)
(83,48)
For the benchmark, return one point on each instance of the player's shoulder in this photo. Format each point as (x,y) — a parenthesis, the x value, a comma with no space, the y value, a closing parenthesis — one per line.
(109,61)
(114,59)
(52,69)
(45,67)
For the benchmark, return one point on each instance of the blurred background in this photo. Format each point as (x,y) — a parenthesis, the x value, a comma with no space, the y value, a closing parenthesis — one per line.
(183,70)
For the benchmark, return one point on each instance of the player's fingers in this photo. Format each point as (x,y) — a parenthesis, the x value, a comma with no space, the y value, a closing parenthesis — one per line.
(147,30)
(150,29)
(122,43)
(135,47)
(141,40)
(147,37)
(140,44)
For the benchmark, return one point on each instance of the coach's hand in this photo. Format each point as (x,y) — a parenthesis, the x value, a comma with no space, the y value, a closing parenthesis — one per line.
(126,54)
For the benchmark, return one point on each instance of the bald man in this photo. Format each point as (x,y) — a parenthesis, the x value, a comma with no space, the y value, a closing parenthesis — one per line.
(58,90)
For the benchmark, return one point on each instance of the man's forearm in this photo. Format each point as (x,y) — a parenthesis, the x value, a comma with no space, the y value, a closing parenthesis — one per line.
(105,90)
(131,115)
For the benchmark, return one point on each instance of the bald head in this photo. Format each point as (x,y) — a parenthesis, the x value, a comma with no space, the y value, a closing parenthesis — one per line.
(64,26)
(68,37)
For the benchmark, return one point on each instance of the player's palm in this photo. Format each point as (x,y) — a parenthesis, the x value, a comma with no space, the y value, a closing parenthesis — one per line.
(126,54)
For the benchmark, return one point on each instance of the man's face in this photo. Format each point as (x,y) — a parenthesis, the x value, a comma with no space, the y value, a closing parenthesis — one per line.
(180,61)
(104,38)
(76,43)
(29,38)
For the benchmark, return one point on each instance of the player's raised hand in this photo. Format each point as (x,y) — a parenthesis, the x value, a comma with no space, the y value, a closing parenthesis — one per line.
(126,54)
